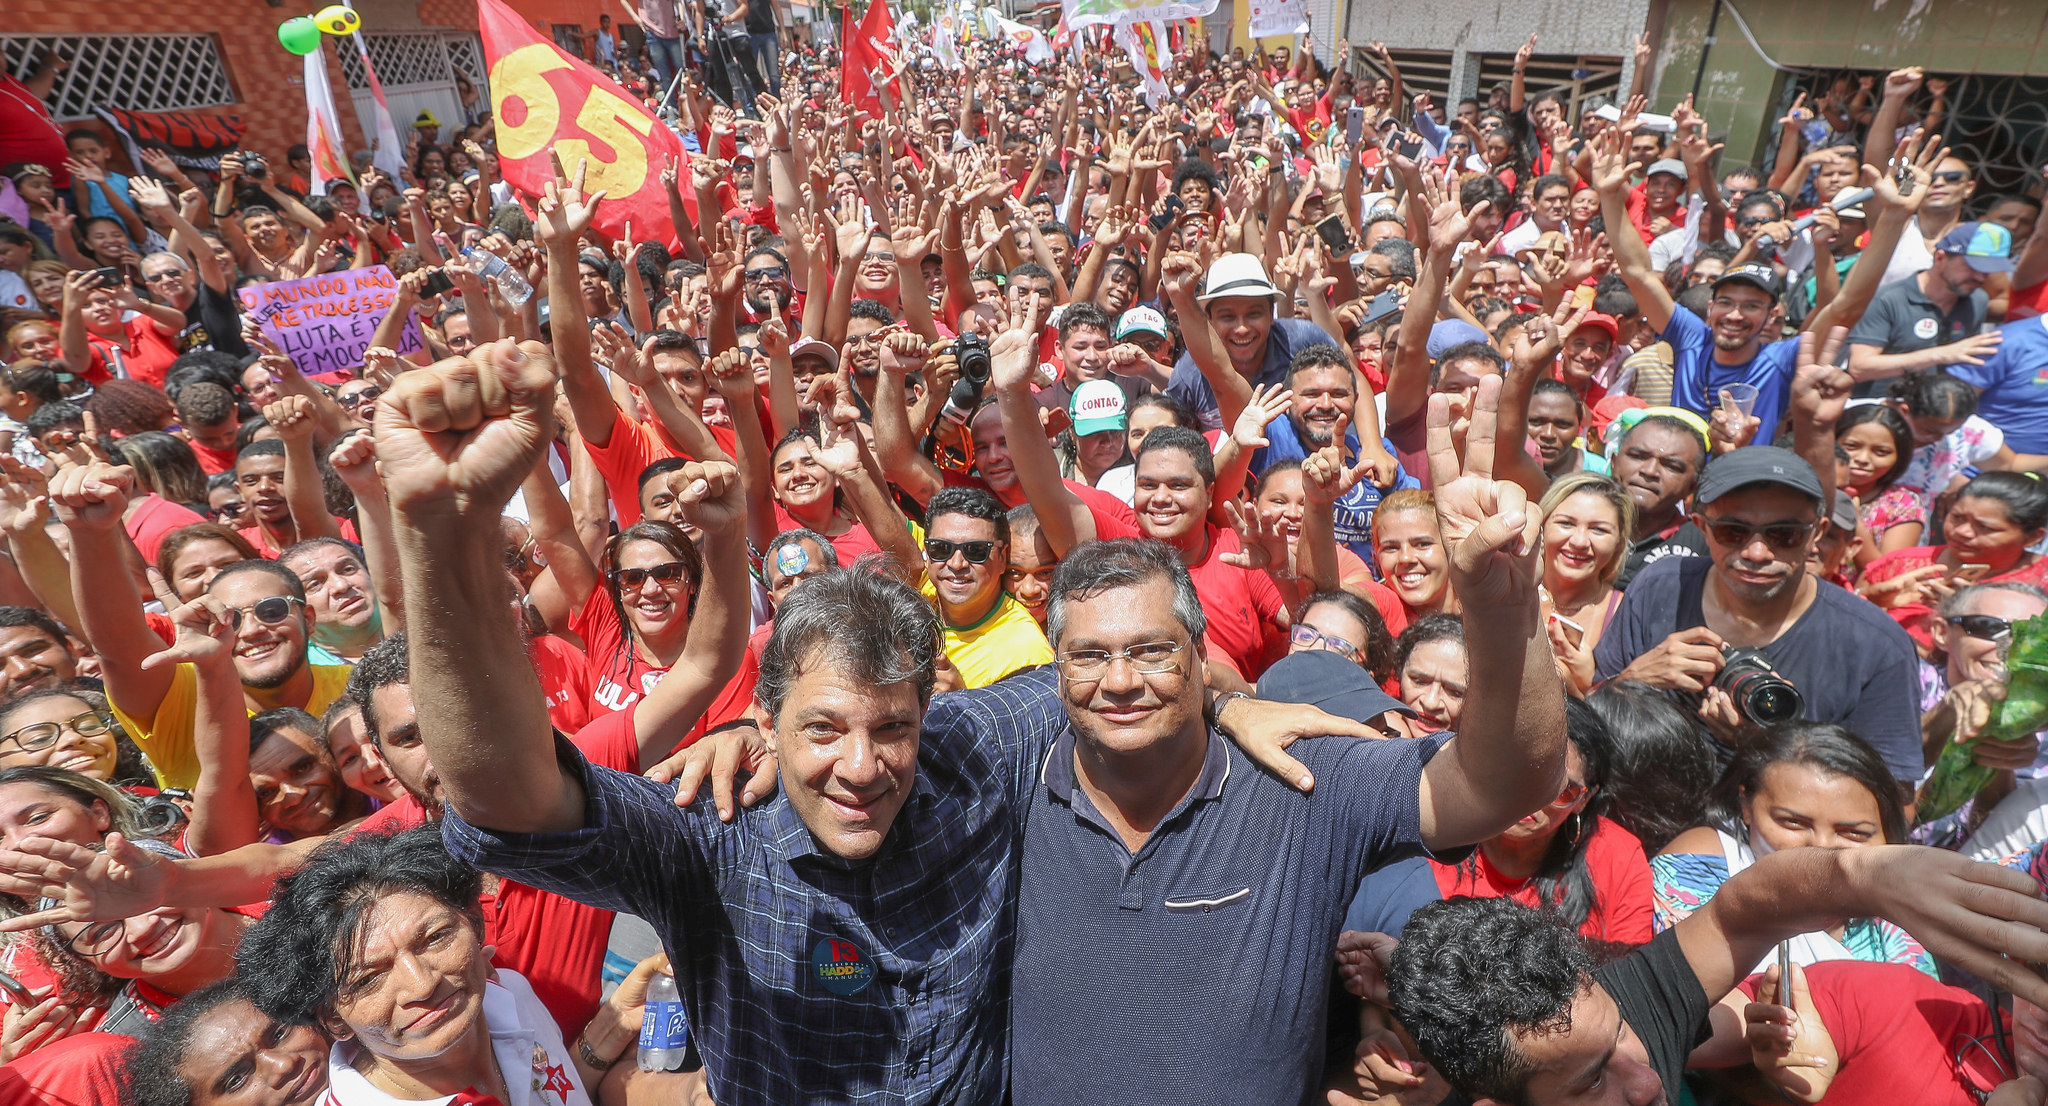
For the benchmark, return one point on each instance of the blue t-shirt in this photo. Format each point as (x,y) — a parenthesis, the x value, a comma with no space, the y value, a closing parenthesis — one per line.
(98,198)
(2014,381)
(1697,379)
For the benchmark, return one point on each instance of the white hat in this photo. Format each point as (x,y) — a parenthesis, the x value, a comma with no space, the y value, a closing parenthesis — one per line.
(1096,406)
(813,346)
(1237,274)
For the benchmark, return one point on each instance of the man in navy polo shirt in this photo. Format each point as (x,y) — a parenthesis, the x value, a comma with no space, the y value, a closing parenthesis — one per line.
(1238,300)
(1931,320)
(1177,908)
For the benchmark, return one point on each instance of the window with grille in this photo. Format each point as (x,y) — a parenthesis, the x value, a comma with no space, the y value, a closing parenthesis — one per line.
(1421,71)
(135,72)
(1574,78)
(417,58)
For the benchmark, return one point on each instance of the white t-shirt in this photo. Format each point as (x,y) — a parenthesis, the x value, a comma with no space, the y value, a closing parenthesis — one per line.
(1911,256)
(14,292)
(539,1069)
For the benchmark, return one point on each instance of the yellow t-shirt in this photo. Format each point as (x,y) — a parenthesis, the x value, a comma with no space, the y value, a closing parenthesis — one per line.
(167,739)
(1005,640)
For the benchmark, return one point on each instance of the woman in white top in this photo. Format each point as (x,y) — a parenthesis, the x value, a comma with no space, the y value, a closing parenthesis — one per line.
(380,940)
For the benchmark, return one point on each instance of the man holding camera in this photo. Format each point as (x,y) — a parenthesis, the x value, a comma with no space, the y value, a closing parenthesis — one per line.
(1738,625)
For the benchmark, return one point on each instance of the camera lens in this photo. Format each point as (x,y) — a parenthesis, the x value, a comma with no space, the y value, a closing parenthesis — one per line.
(1771,702)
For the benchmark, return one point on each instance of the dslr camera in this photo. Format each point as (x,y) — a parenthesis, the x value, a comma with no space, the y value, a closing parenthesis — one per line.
(1762,695)
(254,166)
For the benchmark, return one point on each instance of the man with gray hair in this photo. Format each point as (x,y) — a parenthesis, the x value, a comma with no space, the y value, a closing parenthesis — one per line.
(200,287)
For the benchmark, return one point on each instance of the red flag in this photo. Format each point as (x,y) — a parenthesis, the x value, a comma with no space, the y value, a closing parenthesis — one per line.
(869,50)
(547,99)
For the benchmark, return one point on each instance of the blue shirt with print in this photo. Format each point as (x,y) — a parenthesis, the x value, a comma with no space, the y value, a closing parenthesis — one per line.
(1354,509)
(1697,379)
(2014,381)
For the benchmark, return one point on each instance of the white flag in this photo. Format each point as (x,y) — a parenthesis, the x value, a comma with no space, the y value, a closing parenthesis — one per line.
(323,126)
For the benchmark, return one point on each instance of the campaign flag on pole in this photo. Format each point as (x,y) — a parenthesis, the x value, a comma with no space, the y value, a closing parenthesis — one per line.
(1028,40)
(1270,18)
(870,50)
(1145,43)
(1089,13)
(323,126)
(943,46)
(387,150)
(547,99)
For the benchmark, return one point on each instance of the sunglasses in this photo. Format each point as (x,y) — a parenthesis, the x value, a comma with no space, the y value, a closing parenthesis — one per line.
(269,611)
(773,272)
(367,395)
(1952,176)
(1572,793)
(1778,535)
(632,578)
(1983,627)
(939,550)
(1308,637)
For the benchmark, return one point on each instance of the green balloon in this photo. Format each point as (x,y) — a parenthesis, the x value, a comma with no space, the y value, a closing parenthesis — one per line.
(300,35)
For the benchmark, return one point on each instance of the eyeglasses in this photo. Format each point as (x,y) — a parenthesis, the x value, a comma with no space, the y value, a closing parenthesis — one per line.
(777,272)
(939,550)
(884,258)
(231,509)
(1761,307)
(1147,658)
(97,938)
(1952,176)
(1753,221)
(161,275)
(1983,627)
(1308,637)
(1778,535)
(632,578)
(269,611)
(1574,790)
(42,735)
(357,399)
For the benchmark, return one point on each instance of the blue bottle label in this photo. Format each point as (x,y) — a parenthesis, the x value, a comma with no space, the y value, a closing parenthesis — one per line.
(664,1026)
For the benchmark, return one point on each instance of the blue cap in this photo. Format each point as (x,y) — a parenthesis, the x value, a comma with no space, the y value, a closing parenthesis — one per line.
(1451,332)
(1986,246)
(1332,683)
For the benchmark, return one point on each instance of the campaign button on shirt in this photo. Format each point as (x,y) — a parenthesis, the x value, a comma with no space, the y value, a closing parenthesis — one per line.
(841,967)
(1926,328)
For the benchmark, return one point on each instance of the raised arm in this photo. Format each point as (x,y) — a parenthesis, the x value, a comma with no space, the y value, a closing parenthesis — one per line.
(1438,207)
(354,459)
(226,813)
(1917,157)
(453,441)
(89,500)
(304,491)
(1013,359)
(733,377)
(1899,86)
(1503,763)
(711,502)
(1610,174)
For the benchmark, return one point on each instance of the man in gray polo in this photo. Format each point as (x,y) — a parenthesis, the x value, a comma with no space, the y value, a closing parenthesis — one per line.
(1934,318)
(1177,907)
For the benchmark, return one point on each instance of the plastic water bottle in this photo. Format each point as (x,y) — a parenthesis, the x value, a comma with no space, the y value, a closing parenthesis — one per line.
(664,1028)
(511,285)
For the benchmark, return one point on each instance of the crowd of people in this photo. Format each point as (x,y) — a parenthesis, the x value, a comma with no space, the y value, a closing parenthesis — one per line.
(1035,594)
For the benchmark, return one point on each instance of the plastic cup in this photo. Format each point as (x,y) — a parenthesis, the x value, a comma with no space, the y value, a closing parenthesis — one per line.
(1744,396)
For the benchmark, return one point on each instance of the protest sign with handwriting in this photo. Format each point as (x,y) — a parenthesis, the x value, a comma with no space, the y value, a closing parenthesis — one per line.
(324,323)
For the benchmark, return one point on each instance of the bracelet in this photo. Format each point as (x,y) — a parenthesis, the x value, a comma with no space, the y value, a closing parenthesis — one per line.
(590,1055)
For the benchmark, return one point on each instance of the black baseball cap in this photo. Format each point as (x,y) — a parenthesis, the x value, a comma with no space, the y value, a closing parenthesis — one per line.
(1331,682)
(1758,464)
(1756,274)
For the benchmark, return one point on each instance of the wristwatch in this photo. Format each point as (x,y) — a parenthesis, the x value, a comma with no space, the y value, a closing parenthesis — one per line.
(590,1055)
(1216,706)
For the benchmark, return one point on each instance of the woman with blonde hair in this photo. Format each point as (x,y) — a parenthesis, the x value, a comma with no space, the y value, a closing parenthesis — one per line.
(1587,520)
(1409,554)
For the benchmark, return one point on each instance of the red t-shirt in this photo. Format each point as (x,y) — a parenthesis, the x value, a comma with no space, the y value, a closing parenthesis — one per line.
(85,1070)
(154,518)
(269,553)
(850,545)
(1918,617)
(1897,1032)
(212,461)
(146,355)
(1621,885)
(1243,606)
(556,943)
(623,676)
(28,133)
(627,453)
(566,677)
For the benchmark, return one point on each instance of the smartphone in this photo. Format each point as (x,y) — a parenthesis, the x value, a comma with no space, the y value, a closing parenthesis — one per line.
(1785,974)
(1165,216)
(108,277)
(15,990)
(1334,234)
(437,283)
(1969,573)
(1354,125)
(1574,634)
(1409,145)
